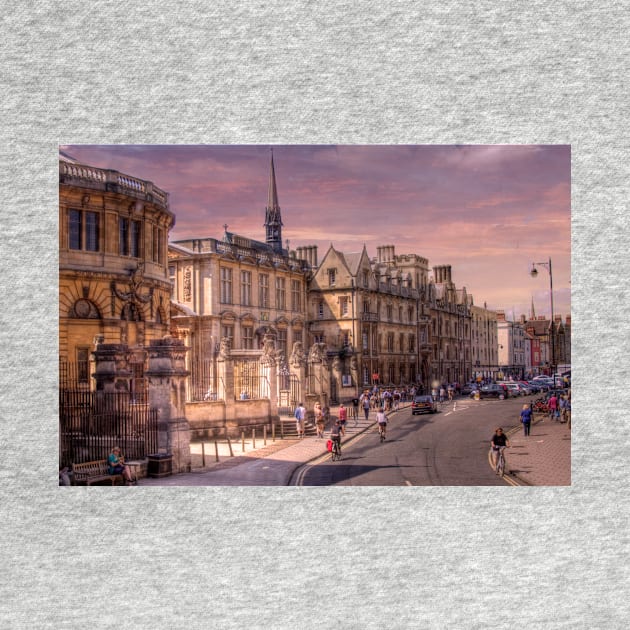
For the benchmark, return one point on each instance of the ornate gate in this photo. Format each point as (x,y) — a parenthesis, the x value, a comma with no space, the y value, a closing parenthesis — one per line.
(289,392)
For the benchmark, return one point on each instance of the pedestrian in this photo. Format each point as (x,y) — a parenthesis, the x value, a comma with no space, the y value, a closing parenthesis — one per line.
(319,420)
(526,419)
(300,416)
(365,402)
(565,408)
(343,418)
(442,393)
(553,407)
(355,410)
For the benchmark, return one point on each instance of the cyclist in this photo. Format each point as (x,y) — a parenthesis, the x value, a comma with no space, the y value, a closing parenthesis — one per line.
(499,442)
(343,418)
(335,435)
(381,418)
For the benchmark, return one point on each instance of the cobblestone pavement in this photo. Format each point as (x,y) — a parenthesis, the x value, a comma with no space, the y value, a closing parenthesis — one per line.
(542,459)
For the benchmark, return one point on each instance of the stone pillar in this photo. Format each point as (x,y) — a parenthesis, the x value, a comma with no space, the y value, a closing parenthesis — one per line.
(297,364)
(318,367)
(269,369)
(111,368)
(225,370)
(167,393)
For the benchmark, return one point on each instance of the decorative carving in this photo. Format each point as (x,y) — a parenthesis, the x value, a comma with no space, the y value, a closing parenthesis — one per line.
(225,348)
(133,299)
(269,354)
(316,353)
(354,368)
(297,355)
(336,365)
(187,284)
(84,309)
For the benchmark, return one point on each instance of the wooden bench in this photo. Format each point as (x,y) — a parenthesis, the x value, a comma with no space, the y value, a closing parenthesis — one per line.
(89,473)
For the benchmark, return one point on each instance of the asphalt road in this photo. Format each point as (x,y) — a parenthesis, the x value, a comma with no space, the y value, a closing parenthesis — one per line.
(449,448)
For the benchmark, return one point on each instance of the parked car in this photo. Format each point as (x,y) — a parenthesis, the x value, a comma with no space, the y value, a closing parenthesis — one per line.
(542,386)
(423,404)
(526,387)
(493,390)
(468,388)
(515,389)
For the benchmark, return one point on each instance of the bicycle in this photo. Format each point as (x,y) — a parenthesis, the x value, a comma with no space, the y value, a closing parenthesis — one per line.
(336,450)
(382,428)
(500,463)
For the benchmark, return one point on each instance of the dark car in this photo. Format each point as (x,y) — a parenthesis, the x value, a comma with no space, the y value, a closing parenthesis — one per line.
(468,389)
(493,391)
(423,404)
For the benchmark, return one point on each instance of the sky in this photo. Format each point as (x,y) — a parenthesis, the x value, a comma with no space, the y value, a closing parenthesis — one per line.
(488,211)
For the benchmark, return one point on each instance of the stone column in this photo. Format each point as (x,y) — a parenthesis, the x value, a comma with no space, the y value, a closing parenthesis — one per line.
(318,366)
(111,368)
(225,376)
(269,369)
(167,393)
(297,366)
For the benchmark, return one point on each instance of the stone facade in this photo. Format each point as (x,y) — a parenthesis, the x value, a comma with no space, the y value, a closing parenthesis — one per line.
(512,348)
(113,279)
(450,329)
(484,342)
(366,315)
(239,289)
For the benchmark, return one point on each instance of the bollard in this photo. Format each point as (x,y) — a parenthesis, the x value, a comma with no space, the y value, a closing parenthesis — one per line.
(216,450)
(203,454)
(254,438)
(281,430)
(265,435)
(273,431)
(230,446)
(243,441)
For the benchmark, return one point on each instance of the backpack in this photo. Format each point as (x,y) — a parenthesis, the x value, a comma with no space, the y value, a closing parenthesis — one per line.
(297,413)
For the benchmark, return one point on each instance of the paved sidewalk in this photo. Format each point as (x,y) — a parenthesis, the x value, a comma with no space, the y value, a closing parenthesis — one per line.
(543,458)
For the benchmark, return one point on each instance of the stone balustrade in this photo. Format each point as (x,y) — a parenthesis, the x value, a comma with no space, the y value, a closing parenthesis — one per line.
(101,179)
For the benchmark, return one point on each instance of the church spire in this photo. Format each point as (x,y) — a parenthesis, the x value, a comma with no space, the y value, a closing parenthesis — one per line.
(533,315)
(273,219)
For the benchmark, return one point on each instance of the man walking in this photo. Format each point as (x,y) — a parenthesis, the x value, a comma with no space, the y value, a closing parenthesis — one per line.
(355,410)
(365,402)
(300,416)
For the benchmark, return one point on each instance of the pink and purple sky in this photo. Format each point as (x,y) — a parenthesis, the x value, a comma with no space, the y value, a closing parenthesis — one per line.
(488,211)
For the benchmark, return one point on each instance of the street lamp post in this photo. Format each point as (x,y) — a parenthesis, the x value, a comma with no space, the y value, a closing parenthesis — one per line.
(534,273)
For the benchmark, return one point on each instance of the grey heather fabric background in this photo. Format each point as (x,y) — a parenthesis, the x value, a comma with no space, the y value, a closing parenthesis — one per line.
(302,72)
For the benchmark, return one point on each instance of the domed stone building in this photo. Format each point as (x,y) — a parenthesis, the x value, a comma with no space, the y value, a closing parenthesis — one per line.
(113,272)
